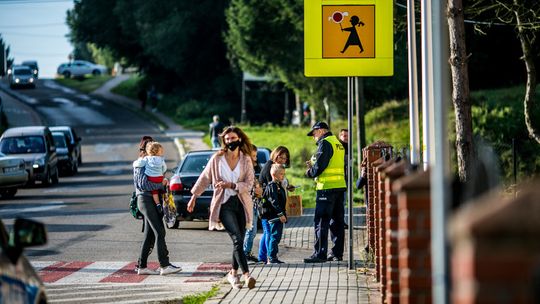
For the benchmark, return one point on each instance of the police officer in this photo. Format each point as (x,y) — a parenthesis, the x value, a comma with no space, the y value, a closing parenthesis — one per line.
(327,167)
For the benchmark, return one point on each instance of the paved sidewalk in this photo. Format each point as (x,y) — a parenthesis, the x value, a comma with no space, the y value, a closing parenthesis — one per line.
(185,140)
(297,282)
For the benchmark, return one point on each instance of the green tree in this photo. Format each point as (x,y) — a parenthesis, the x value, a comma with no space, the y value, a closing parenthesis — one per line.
(177,45)
(5,62)
(266,37)
(524,16)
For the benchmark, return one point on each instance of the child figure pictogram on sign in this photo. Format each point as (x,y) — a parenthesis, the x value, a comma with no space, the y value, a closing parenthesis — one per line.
(353,39)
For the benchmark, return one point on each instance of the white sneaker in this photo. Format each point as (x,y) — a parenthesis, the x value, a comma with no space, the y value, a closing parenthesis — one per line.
(142,271)
(169,269)
(234,281)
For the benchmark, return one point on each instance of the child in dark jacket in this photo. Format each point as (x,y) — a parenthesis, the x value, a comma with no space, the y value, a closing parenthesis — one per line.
(273,216)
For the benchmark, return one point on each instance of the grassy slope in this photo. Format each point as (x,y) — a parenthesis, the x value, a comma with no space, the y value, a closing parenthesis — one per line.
(86,85)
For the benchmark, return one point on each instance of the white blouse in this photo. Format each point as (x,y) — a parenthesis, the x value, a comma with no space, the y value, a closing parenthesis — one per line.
(229,176)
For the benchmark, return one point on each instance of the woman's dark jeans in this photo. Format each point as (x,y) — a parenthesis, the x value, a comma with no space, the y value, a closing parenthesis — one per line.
(153,226)
(233,218)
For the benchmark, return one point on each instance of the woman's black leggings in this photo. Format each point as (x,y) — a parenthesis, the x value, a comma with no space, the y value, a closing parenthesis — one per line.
(233,218)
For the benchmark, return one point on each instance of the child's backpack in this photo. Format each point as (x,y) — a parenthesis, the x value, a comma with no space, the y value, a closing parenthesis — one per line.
(133,208)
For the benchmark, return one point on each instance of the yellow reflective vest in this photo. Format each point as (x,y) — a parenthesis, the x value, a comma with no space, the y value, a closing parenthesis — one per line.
(333,177)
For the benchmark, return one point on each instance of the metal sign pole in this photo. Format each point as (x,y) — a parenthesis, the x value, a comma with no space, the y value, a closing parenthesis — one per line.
(350,100)
(413,85)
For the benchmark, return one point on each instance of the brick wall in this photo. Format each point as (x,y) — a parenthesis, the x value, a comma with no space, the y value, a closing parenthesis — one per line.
(496,249)
(414,237)
(391,287)
(371,154)
(380,217)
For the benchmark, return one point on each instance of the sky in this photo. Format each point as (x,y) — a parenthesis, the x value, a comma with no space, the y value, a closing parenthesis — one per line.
(36,30)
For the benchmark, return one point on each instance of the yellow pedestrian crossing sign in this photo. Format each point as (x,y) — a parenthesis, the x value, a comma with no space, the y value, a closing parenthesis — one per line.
(350,39)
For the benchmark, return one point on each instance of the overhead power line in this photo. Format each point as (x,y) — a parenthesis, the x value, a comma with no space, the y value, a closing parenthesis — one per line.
(11,2)
(31,25)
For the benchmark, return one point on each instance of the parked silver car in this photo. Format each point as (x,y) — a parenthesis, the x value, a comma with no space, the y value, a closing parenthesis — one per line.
(36,146)
(13,175)
(80,68)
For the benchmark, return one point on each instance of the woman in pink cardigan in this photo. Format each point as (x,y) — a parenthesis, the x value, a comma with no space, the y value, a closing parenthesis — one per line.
(230,170)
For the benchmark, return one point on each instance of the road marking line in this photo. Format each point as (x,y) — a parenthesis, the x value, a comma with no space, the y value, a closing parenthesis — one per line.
(59,270)
(127,274)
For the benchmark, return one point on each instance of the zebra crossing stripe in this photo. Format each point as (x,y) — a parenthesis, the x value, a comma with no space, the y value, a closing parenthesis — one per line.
(77,272)
(59,270)
(127,274)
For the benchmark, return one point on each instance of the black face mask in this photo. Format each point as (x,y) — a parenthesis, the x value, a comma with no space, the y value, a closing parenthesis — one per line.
(233,145)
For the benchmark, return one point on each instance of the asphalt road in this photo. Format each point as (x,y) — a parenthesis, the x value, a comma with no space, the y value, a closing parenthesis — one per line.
(87,214)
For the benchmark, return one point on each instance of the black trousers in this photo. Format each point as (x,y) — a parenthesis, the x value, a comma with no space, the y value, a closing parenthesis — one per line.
(233,218)
(154,232)
(329,213)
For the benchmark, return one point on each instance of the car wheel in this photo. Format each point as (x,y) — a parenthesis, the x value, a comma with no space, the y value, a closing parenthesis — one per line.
(8,193)
(175,225)
(96,72)
(66,74)
(54,177)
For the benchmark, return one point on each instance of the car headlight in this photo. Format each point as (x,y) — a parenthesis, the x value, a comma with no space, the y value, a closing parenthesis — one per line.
(17,80)
(39,162)
(31,79)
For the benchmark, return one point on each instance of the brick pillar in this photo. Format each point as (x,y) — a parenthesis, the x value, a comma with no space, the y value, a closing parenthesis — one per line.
(414,238)
(394,172)
(380,218)
(371,153)
(496,249)
(376,216)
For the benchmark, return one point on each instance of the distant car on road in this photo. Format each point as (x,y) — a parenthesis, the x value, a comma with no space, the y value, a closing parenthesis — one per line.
(12,175)
(67,159)
(32,64)
(74,141)
(185,176)
(18,279)
(80,68)
(36,146)
(21,76)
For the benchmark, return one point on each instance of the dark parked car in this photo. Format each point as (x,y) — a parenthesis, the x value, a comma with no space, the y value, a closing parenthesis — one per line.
(67,159)
(36,146)
(74,141)
(18,279)
(185,176)
(32,64)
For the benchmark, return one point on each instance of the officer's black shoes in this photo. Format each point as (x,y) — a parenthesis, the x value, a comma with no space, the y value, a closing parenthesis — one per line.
(332,258)
(314,259)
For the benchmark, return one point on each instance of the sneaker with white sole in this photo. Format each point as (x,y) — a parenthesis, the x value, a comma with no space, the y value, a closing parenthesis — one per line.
(149,271)
(250,282)
(169,269)
(234,281)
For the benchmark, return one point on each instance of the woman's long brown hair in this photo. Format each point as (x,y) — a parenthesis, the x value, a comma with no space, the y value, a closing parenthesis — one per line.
(246,145)
(142,145)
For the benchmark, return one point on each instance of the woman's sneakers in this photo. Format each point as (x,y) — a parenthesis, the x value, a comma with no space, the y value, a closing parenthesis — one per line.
(250,281)
(234,281)
(146,271)
(169,269)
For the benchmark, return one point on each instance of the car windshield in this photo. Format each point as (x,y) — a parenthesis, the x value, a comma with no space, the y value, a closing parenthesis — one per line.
(59,140)
(195,163)
(22,72)
(22,145)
